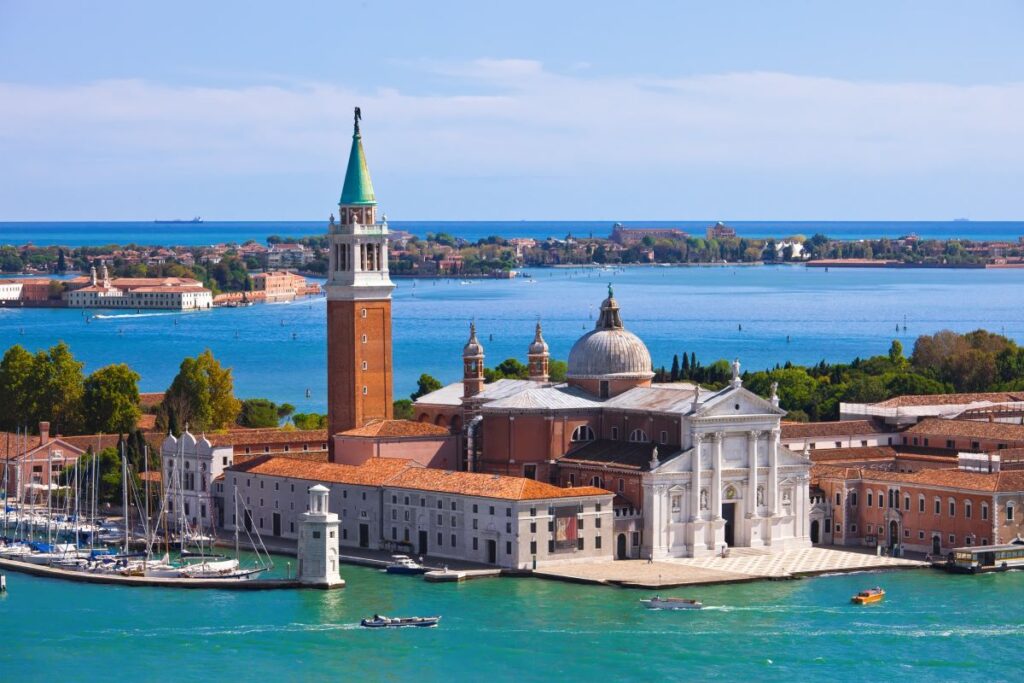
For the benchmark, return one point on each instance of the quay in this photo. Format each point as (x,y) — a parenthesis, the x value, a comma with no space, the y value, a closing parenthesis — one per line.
(741,566)
(155,582)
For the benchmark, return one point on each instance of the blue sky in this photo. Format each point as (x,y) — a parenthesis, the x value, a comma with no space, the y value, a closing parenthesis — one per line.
(526,110)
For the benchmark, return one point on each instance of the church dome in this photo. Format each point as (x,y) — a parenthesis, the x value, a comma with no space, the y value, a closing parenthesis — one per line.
(609,351)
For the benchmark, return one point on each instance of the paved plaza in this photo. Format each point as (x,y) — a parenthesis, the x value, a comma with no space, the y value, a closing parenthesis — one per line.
(741,565)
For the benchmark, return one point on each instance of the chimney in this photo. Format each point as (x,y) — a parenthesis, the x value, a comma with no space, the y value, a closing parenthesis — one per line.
(44,433)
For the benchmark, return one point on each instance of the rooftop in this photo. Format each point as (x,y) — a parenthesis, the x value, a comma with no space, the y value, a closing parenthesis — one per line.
(1012,480)
(968,429)
(396,429)
(373,472)
(949,399)
(805,430)
(603,452)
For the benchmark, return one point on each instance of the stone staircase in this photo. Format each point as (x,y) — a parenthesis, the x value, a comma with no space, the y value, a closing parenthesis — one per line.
(749,552)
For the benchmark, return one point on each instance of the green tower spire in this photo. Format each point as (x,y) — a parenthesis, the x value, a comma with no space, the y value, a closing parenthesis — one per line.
(358,189)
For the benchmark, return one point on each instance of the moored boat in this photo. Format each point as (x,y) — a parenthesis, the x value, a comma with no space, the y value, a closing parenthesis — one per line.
(869,596)
(985,558)
(658,602)
(402,564)
(380,621)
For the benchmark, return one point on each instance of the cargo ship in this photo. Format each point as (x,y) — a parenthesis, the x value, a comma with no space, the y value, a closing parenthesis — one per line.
(197,219)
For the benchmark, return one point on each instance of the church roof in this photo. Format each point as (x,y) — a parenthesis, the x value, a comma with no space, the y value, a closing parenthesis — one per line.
(561,397)
(448,395)
(625,455)
(658,398)
(357,189)
(396,429)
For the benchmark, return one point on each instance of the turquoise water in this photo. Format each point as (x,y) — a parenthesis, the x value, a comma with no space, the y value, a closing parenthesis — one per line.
(147,232)
(931,627)
(279,350)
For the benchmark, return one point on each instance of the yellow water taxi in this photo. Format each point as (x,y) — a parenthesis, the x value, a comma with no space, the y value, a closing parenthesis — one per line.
(869,596)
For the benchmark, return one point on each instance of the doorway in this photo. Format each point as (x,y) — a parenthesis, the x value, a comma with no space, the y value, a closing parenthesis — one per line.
(277,523)
(815,531)
(492,552)
(620,547)
(894,534)
(248,521)
(364,535)
(729,513)
(936,545)
(423,543)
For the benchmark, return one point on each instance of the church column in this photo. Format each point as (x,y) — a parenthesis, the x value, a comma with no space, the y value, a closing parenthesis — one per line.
(752,438)
(716,477)
(695,478)
(773,472)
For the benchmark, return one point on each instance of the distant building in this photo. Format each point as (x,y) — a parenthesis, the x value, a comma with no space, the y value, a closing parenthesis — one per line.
(630,236)
(34,463)
(902,411)
(720,231)
(180,294)
(813,436)
(279,285)
(287,255)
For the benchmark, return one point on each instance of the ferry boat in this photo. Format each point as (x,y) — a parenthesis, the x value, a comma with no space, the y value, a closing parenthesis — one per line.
(978,559)
(658,602)
(380,621)
(869,596)
(402,564)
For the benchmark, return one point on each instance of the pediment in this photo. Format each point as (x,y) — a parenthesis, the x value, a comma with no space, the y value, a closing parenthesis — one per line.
(737,402)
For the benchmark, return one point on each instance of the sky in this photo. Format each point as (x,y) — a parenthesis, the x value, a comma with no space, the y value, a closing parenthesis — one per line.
(553,110)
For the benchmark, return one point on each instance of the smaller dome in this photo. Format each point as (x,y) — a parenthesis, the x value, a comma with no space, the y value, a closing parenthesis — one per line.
(538,346)
(609,351)
(473,347)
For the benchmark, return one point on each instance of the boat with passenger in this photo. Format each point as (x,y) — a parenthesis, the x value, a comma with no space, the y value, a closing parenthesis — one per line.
(658,602)
(403,564)
(869,596)
(381,621)
(978,559)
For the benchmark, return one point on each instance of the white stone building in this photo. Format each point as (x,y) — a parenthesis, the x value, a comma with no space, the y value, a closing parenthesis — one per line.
(733,486)
(189,466)
(179,294)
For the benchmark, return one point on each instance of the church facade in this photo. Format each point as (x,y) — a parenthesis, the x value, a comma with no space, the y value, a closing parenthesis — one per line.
(694,471)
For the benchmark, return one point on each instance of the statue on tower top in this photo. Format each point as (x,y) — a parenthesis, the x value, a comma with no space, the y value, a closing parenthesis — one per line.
(358,118)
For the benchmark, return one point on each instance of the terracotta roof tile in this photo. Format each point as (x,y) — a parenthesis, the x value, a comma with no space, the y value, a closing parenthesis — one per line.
(833,455)
(968,429)
(397,428)
(241,437)
(804,430)
(949,399)
(486,485)
(373,472)
(947,478)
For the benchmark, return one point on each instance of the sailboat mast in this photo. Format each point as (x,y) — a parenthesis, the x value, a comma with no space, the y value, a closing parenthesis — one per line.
(145,465)
(49,495)
(7,467)
(77,506)
(235,488)
(124,494)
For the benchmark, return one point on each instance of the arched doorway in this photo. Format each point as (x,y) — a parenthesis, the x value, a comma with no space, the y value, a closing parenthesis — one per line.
(894,534)
(620,548)
(936,545)
(815,531)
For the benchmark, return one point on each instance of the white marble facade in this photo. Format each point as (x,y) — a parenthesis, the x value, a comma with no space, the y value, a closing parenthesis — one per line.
(734,485)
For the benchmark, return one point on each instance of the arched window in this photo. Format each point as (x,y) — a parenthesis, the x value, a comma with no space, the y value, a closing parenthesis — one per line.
(638,436)
(583,433)
(1009,512)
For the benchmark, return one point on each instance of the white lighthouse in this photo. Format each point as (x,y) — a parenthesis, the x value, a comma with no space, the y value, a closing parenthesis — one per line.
(318,542)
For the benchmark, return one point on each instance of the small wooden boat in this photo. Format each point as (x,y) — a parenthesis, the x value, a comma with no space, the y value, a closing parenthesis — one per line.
(380,621)
(658,602)
(869,596)
(402,564)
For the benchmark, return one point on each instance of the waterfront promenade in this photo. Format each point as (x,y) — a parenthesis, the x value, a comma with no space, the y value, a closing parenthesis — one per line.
(742,565)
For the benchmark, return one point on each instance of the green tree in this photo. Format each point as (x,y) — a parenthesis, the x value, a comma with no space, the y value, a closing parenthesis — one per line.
(58,388)
(403,409)
(674,374)
(557,370)
(309,421)
(258,412)
(111,400)
(17,408)
(201,396)
(424,385)
(896,352)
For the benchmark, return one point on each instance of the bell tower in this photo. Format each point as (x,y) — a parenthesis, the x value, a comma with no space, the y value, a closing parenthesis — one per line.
(538,357)
(472,365)
(359,382)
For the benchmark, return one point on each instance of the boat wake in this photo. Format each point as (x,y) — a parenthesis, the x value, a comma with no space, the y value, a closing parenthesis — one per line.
(117,316)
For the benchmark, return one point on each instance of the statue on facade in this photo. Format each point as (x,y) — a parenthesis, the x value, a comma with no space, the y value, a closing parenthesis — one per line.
(760,495)
(332,218)
(703,499)
(775,392)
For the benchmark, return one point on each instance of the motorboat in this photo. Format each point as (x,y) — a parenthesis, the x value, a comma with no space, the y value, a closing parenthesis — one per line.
(869,596)
(658,602)
(403,564)
(380,621)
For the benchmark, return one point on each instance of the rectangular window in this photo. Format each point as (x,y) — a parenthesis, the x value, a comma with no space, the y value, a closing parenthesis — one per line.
(853,528)
(453,540)
(474,543)
(508,512)
(920,504)
(952,539)
(920,535)
(474,508)
(967,509)
(533,527)
(439,542)
(597,523)
(533,547)
(597,542)
(906,503)
(533,512)
(474,523)
(394,534)
(508,527)
(1009,513)
(871,499)
(664,437)
(551,546)
(938,506)
(984,511)
(508,547)
(492,510)
(579,543)
(579,523)
(952,509)
(615,433)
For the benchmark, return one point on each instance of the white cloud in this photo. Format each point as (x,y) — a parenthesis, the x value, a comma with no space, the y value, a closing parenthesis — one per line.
(514,117)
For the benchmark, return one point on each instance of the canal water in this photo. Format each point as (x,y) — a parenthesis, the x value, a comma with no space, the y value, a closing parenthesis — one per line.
(931,626)
(762,315)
